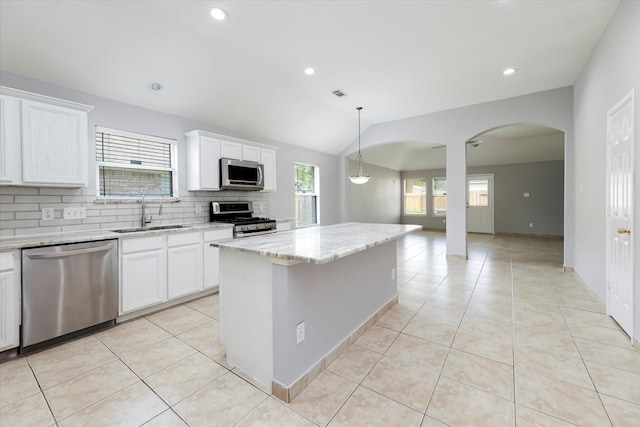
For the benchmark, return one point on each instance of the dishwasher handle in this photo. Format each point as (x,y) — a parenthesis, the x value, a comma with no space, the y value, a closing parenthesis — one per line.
(62,254)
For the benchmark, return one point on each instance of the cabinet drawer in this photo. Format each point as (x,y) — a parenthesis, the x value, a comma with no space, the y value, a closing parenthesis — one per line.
(212,235)
(181,239)
(6,261)
(142,244)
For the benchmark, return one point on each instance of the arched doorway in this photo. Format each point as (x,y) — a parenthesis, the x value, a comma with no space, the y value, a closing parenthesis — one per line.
(516,183)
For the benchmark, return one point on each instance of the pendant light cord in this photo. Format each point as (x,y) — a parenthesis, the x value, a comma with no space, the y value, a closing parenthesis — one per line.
(359,108)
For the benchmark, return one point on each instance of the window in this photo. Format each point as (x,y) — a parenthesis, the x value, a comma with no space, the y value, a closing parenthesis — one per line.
(439,196)
(415,196)
(307,194)
(478,192)
(127,163)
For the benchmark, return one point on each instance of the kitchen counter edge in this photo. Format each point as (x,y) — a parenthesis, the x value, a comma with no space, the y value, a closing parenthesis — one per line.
(283,245)
(33,241)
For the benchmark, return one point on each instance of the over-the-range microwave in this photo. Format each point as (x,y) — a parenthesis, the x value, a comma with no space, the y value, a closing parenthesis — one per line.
(241,175)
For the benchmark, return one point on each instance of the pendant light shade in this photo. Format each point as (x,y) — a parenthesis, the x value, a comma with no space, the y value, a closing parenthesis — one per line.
(359,174)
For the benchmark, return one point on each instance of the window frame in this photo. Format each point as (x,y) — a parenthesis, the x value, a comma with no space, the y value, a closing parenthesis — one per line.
(404,197)
(315,193)
(135,135)
(433,196)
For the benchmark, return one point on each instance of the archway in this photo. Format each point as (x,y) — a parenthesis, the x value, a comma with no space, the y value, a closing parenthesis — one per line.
(515,183)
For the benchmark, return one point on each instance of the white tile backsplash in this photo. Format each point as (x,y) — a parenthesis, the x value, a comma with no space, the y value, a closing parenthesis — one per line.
(20,209)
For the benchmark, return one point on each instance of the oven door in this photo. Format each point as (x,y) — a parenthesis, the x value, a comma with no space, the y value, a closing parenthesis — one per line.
(241,175)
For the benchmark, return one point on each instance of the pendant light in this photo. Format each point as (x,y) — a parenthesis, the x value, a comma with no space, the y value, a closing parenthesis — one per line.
(361,176)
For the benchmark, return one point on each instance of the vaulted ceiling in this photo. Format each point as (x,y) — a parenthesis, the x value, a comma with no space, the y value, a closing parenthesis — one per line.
(397,59)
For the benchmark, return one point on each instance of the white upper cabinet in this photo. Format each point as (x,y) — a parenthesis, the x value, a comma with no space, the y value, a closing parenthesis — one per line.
(250,153)
(54,145)
(268,159)
(230,150)
(203,162)
(205,149)
(46,138)
(10,168)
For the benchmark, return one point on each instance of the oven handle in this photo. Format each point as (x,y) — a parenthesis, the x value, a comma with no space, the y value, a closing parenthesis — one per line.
(71,253)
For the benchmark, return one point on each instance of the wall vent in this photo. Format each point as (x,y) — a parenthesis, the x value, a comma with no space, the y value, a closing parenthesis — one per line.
(339,93)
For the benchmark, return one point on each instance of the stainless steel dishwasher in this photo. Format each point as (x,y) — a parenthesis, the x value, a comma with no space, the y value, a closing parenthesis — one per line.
(67,289)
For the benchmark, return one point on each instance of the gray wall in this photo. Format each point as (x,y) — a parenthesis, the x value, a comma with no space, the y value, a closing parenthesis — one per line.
(20,206)
(544,181)
(612,71)
(552,108)
(375,201)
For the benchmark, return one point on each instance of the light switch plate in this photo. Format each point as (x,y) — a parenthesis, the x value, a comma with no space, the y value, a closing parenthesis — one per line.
(300,333)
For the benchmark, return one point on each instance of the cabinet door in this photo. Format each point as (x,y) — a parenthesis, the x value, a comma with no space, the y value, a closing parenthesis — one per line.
(185,270)
(211,261)
(268,159)
(54,145)
(9,140)
(209,163)
(144,280)
(230,150)
(9,309)
(250,153)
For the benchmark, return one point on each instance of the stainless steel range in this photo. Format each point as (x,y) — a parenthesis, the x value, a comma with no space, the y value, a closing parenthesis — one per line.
(240,214)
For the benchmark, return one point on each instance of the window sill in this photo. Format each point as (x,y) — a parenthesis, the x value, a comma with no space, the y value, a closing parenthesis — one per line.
(108,201)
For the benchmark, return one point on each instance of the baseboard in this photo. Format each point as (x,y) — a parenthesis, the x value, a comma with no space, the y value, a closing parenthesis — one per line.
(287,394)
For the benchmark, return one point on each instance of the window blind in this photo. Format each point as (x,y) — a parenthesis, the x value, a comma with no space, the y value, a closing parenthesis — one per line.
(128,163)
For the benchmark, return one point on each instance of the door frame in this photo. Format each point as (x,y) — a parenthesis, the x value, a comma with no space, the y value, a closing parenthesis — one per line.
(492,203)
(629,98)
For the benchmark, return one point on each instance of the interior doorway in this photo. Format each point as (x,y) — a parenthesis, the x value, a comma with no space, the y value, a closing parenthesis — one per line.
(480,204)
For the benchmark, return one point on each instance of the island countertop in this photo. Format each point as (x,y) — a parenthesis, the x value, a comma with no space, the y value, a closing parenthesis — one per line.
(319,245)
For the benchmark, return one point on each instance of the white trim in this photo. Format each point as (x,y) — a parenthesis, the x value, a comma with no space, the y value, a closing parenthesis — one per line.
(136,135)
(43,98)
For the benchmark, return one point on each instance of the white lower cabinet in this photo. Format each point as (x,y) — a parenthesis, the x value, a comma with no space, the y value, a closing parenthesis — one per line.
(184,262)
(143,269)
(9,300)
(160,268)
(212,256)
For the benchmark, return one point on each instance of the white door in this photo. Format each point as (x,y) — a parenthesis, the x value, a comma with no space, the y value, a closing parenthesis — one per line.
(620,251)
(480,204)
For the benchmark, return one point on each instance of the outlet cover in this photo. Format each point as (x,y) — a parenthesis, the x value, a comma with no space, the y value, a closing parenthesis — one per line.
(47,214)
(300,333)
(530,225)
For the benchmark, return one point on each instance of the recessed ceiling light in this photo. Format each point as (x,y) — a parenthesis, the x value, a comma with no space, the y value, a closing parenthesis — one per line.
(509,71)
(218,14)
(155,86)
(309,71)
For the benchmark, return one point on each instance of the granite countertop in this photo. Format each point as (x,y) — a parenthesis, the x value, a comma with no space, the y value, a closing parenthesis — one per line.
(23,242)
(319,245)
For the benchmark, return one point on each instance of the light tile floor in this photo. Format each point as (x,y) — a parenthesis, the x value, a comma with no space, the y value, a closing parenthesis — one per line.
(505,338)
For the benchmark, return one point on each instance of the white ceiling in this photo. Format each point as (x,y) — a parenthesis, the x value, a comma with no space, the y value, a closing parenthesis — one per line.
(397,59)
(507,145)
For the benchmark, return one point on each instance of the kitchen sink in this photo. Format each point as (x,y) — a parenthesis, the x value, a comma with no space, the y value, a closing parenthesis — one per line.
(154,228)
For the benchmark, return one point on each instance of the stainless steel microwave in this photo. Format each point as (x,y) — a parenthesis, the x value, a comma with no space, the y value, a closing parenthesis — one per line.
(241,175)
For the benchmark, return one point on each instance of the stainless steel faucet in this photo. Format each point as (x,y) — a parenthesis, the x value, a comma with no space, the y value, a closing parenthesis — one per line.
(147,220)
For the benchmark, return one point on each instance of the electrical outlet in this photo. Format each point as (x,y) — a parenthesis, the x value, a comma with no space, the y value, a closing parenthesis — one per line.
(198,209)
(393,273)
(526,194)
(530,225)
(47,214)
(75,212)
(300,332)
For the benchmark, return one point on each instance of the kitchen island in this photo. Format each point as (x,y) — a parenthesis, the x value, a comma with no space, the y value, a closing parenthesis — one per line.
(291,302)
